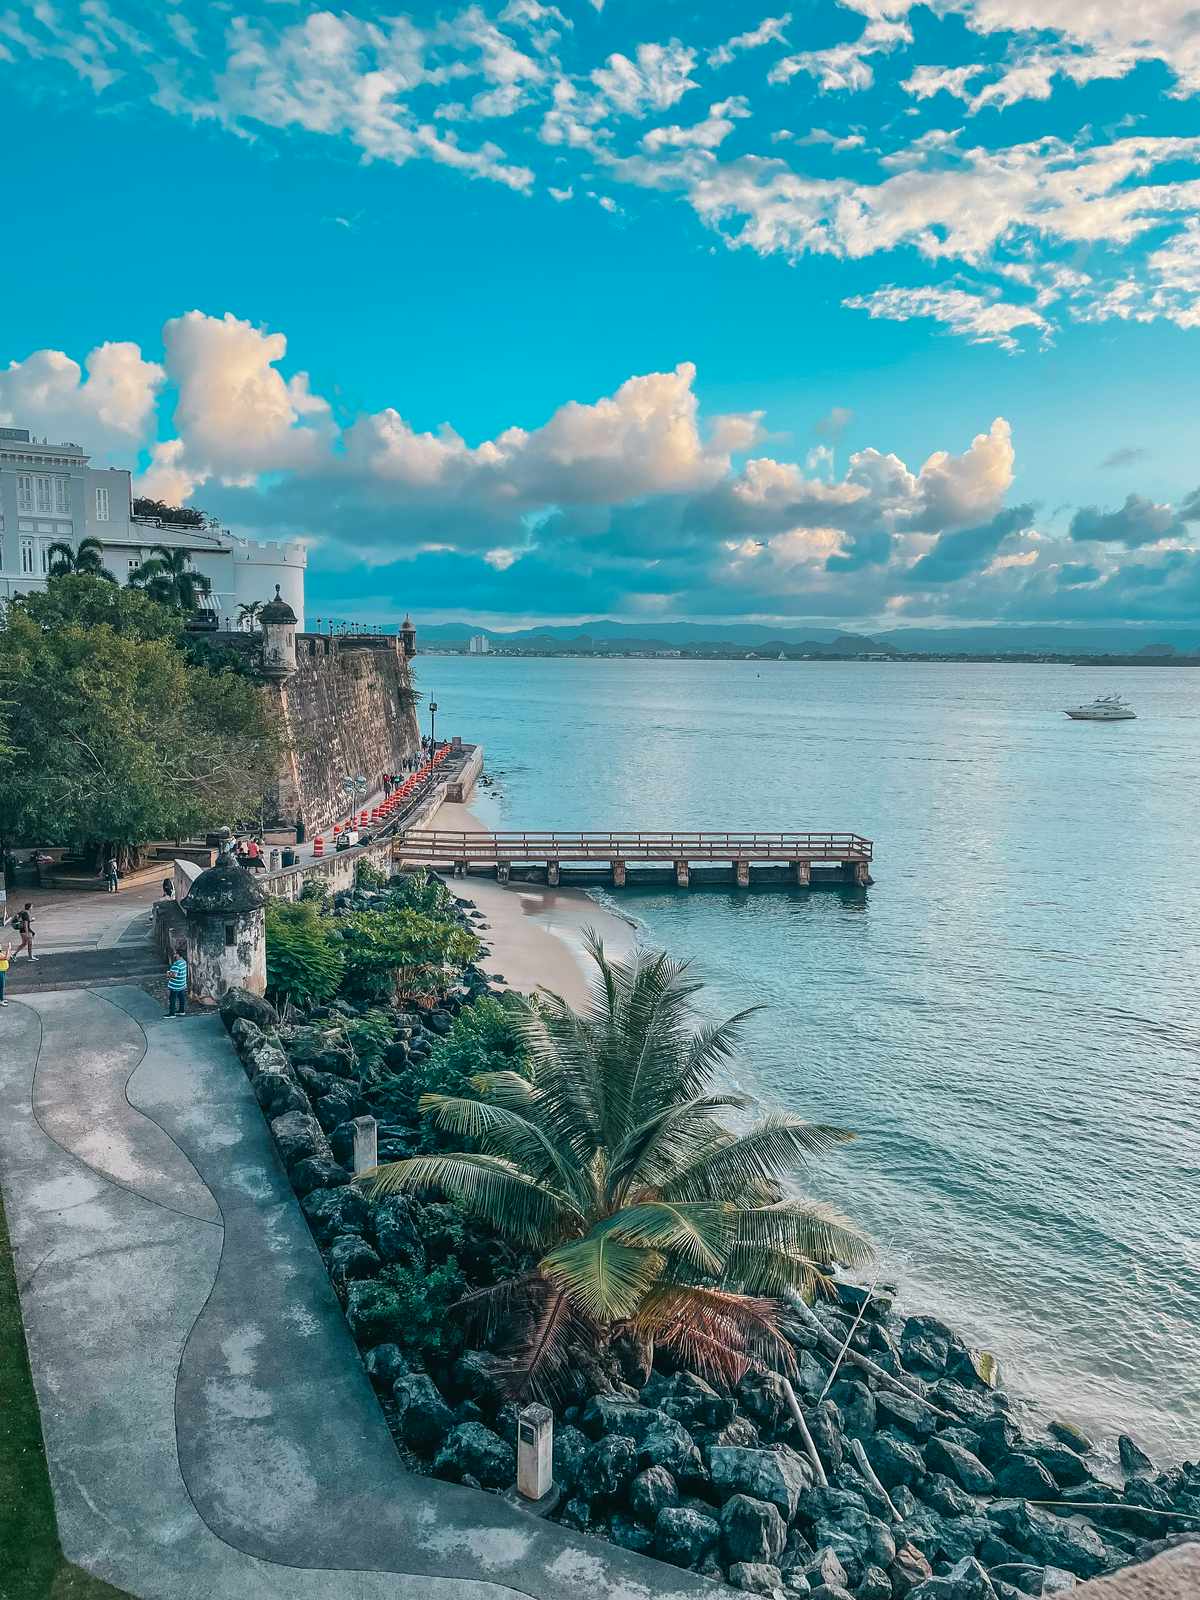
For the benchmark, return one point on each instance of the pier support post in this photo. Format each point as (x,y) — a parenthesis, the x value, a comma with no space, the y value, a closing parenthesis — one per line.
(803,874)
(862,873)
(741,871)
(553,869)
(460,869)
(366,1144)
(503,868)
(681,875)
(618,874)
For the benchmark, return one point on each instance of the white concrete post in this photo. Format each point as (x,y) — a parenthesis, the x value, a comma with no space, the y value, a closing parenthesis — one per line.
(366,1144)
(535,1452)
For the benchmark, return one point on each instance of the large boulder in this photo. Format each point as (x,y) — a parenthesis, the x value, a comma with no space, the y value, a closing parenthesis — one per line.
(394,1226)
(236,1003)
(317,1172)
(925,1347)
(751,1530)
(946,1498)
(1063,1465)
(384,1364)
(341,1105)
(351,1257)
(1050,1540)
(480,1376)
(609,1413)
(607,1468)
(629,1534)
(1133,1459)
(425,1418)
(1024,1478)
(825,1425)
(298,1137)
(667,1443)
(277,1091)
(904,1415)
(895,1460)
(652,1491)
(857,1405)
(683,1536)
(959,1465)
(333,1212)
(756,1577)
(777,1475)
(998,1438)
(761,1395)
(471,1449)
(570,1449)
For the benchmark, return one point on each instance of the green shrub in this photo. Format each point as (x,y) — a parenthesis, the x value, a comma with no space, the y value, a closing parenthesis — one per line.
(417,891)
(369,1036)
(411,1308)
(304,961)
(368,877)
(315,889)
(401,954)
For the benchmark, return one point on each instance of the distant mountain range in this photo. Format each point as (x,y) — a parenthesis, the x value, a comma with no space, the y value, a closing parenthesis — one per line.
(605,634)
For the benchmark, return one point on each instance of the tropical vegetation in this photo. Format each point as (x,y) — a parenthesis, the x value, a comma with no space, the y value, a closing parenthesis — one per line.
(86,559)
(168,577)
(608,1162)
(304,956)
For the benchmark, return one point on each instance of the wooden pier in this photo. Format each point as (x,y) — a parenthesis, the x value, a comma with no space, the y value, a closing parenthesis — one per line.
(804,860)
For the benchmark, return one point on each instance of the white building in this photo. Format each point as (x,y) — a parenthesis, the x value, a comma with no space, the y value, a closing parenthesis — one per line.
(479,645)
(49,493)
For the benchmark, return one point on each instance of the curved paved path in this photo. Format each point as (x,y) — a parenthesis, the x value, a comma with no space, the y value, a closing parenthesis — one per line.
(209,1428)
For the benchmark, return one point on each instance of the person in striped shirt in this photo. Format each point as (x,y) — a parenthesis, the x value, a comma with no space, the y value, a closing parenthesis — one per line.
(177,982)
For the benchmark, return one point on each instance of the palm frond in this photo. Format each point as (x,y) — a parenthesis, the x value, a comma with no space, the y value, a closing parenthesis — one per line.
(768,1153)
(671,1139)
(698,1234)
(540,1363)
(504,1133)
(714,1331)
(806,1228)
(510,1201)
(767,1271)
(606,1280)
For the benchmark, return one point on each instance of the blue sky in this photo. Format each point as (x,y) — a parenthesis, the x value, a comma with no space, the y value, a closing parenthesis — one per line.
(864,313)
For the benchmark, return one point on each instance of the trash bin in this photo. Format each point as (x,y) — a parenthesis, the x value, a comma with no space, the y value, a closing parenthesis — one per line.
(274,861)
(289,857)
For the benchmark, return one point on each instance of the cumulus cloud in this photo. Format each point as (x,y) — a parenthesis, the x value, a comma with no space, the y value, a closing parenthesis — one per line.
(108,412)
(769,31)
(1138,522)
(966,550)
(834,423)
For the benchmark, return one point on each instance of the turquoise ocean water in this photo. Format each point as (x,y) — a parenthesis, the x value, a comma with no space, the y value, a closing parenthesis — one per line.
(1009,1018)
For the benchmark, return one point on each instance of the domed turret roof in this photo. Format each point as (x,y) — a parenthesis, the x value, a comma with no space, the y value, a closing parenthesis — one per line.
(224,889)
(277,610)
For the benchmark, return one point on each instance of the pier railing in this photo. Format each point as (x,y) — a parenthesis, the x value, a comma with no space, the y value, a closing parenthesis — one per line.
(440,844)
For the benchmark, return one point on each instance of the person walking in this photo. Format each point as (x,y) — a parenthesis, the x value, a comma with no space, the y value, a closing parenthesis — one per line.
(5,958)
(177,982)
(111,875)
(23,924)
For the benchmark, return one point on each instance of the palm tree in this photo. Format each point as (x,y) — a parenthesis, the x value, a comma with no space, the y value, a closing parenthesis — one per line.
(248,613)
(168,578)
(85,560)
(647,1217)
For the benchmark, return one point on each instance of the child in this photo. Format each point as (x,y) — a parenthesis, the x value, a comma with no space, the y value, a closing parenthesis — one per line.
(177,982)
(23,924)
(5,954)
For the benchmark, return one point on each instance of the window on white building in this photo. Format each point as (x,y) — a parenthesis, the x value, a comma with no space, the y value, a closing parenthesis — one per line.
(62,496)
(101,505)
(27,555)
(24,491)
(43,493)
(44,553)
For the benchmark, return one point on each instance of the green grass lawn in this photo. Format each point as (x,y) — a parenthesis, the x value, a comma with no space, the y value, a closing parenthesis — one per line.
(31,1563)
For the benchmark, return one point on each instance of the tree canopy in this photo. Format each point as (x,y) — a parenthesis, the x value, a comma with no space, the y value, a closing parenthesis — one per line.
(114,736)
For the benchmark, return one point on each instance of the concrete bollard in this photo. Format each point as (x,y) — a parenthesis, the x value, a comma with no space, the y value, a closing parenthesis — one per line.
(535,1452)
(366,1144)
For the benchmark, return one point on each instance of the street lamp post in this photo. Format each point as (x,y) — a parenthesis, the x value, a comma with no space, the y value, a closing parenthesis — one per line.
(432,740)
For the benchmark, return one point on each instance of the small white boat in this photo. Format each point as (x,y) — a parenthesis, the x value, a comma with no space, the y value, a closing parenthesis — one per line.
(1105,708)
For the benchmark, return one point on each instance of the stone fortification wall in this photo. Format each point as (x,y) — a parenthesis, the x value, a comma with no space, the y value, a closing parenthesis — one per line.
(348,709)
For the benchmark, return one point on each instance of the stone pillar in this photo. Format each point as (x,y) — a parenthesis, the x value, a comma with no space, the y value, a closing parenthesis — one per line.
(618,874)
(366,1144)
(503,868)
(803,874)
(681,874)
(742,873)
(460,869)
(553,871)
(862,873)
(535,1452)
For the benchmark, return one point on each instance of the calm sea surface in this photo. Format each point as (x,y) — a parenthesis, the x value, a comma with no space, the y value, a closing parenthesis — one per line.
(1009,1018)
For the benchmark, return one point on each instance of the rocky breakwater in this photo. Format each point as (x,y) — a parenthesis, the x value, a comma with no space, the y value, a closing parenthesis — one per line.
(919,1479)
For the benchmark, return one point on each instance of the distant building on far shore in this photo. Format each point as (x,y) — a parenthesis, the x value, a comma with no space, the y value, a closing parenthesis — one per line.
(51,494)
(480,645)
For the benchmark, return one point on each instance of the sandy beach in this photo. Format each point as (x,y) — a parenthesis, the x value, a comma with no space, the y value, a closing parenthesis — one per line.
(536,934)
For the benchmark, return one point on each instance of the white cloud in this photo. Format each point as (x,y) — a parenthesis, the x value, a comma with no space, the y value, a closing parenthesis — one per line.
(655,80)
(927,81)
(706,135)
(109,412)
(769,31)
(980,320)
(846,66)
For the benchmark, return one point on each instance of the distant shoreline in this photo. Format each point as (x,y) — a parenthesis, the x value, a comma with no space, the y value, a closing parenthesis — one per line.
(906,659)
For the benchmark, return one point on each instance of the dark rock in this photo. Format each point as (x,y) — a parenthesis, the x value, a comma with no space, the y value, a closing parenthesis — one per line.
(333,1212)
(761,1396)
(874,1585)
(740,1432)
(394,1225)
(652,1491)
(966,1580)
(895,1460)
(630,1535)
(472,1448)
(245,1034)
(972,1408)
(1063,1465)
(812,1374)
(339,1106)
(667,1443)
(825,1425)
(1133,1460)
(683,1536)
(902,1415)
(608,1467)
(690,1400)
(831,1591)
(778,1475)
(978,1369)
(480,1376)
(325,1049)
(425,1418)
(299,1137)
(857,1407)
(827,1571)
(946,1498)
(277,1092)
(467,1411)
(570,1448)
(317,1172)
(859,1541)
(351,1257)
(315,1084)
(438,1021)
(998,1438)
(1024,1478)
(961,1466)
(1050,1540)
(606,1413)
(756,1577)
(905,1502)
(751,1530)
(1074,1438)
(925,1347)
(909,1569)
(384,1364)
(576,1514)
(241,1003)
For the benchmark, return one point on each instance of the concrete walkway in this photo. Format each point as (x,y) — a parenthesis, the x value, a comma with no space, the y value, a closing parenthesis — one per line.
(209,1428)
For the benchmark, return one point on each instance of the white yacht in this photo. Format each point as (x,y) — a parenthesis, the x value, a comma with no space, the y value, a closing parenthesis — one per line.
(1105,708)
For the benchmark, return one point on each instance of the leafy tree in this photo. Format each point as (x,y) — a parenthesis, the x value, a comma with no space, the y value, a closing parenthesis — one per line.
(179,516)
(399,954)
(248,612)
(116,738)
(412,1309)
(168,578)
(420,892)
(81,600)
(86,559)
(304,959)
(649,1218)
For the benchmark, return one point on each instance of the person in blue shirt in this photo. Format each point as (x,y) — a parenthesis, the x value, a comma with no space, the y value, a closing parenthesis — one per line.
(177,982)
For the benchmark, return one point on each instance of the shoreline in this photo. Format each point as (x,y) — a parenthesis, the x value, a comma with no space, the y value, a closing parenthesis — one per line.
(534,935)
